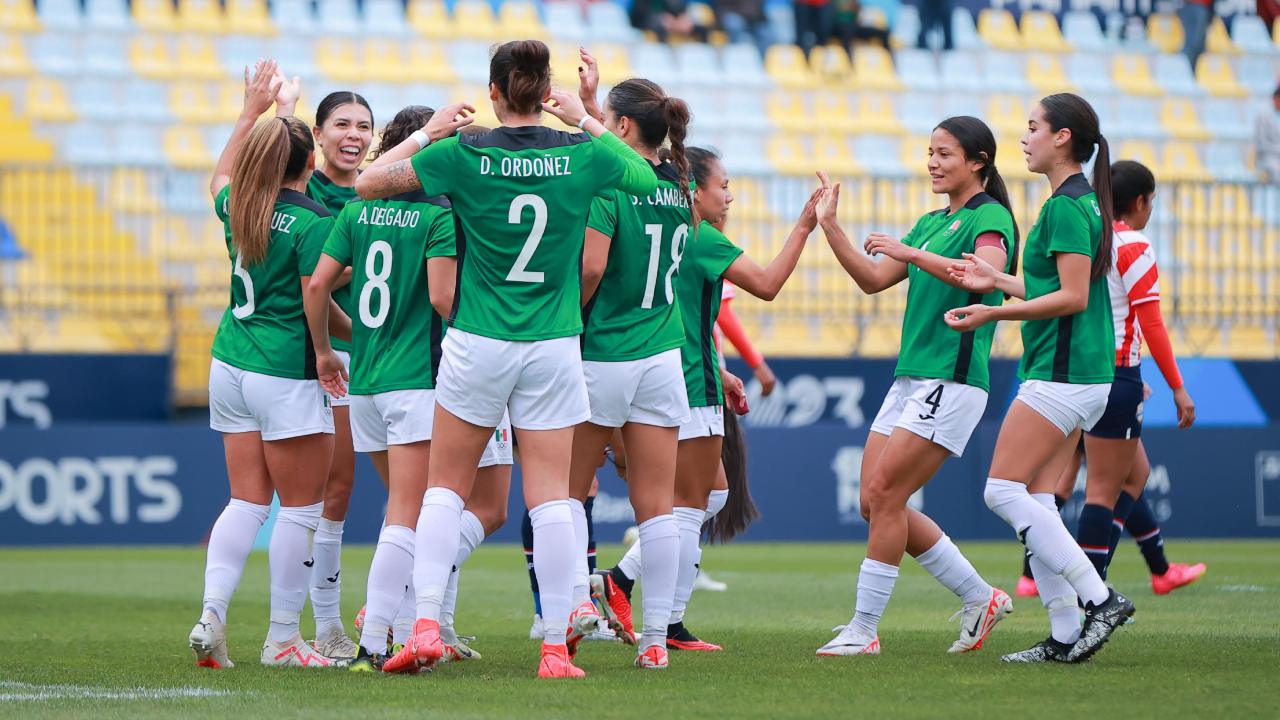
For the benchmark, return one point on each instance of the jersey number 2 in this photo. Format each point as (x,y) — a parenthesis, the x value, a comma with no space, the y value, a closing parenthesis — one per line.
(376,282)
(519,271)
(655,255)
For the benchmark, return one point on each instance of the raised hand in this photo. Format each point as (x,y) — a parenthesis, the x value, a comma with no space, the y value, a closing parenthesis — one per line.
(809,214)
(288,94)
(448,119)
(973,273)
(829,200)
(588,76)
(261,88)
(566,106)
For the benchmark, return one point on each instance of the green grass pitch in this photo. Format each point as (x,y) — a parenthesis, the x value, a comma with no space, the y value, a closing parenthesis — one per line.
(102,633)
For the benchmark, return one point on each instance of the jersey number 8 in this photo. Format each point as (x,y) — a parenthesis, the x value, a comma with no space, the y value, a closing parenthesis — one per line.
(655,255)
(376,282)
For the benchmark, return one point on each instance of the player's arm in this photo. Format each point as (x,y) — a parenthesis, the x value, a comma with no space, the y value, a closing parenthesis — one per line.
(442,279)
(976,274)
(589,84)
(1071,298)
(766,282)
(623,167)
(392,172)
(259,92)
(870,276)
(317,303)
(595,257)
(990,247)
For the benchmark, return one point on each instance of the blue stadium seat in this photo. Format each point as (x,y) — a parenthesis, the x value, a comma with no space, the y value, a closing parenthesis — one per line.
(433,96)
(301,54)
(699,64)
(148,101)
(1138,118)
(879,155)
(919,112)
(1090,73)
(385,18)
(1005,72)
(709,110)
(98,99)
(656,62)
(1250,33)
(186,192)
(565,21)
(470,60)
(1226,161)
(56,53)
(962,103)
(964,32)
(1081,29)
(104,56)
(743,67)
(918,70)
(906,29)
(384,99)
(1173,72)
(1257,73)
(746,108)
(136,144)
(1135,36)
(295,16)
(608,22)
(338,17)
(241,51)
(742,153)
(61,15)
(1228,118)
(961,73)
(89,144)
(108,15)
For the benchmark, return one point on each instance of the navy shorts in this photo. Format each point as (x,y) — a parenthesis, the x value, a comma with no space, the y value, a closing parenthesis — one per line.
(1122,420)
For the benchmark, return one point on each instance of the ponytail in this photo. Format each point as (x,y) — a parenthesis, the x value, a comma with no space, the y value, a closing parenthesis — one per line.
(1106,205)
(677,115)
(995,187)
(739,509)
(1074,113)
(521,69)
(275,151)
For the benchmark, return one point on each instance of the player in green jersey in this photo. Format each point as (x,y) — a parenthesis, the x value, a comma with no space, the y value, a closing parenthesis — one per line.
(1068,361)
(343,133)
(519,196)
(940,384)
(631,351)
(263,396)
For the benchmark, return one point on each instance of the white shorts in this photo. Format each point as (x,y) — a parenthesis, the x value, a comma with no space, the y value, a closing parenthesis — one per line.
(400,417)
(650,391)
(498,451)
(539,382)
(1067,405)
(942,411)
(345,400)
(279,408)
(703,422)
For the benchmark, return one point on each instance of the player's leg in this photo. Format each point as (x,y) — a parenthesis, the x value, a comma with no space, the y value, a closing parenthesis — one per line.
(651,484)
(697,463)
(1065,488)
(326,545)
(1142,525)
(589,442)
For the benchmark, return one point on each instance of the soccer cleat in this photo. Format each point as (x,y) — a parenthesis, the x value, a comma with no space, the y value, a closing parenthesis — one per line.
(209,641)
(535,630)
(703,581)
(615,604)
(337,646)
(358,623)
(459,650)
(1178,575)
(851,640)
(1026,587)
(653,657)
(630,537)
(582,622)
(555,663)
(679,638)
(1045,651)
(977,621)
(1100,621)
(296,653)
(367,662)
(423,650)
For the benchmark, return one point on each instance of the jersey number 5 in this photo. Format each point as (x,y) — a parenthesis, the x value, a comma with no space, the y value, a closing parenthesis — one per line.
(519,271)
(376,282)
(655,256)
(241,312)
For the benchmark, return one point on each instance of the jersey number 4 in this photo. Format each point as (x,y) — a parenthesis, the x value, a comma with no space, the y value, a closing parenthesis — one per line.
(655,256)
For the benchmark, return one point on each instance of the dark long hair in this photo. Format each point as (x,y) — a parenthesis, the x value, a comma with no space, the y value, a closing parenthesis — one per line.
(1130,180)
(659,116)
(979,144)
(403,125)
(1074,113)
(335,100)
(522,71)
(700,161)
(739,508)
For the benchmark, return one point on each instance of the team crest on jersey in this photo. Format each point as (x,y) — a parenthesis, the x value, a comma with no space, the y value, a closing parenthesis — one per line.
(500,435)
(954,226)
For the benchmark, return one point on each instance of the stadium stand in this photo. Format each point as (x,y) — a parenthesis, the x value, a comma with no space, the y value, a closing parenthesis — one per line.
(114,112)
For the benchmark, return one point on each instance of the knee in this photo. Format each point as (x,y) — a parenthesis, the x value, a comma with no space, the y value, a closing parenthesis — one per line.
(880,496)
(494,520)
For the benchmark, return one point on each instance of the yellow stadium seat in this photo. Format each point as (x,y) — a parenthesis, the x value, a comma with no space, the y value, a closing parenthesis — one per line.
(203,16)
(519,18)
(152,57)
(832,110)
(432,19)
(154,15)
(47,100)
(185,148)
(1181,161)
(1046,73)
(229,101)
(1142,151)
(873,69)
(876,114)
(338,60)
(1040,31)
(1218,40)
(386,61)
(430,64)
(1164,31)
(831,63)
(998,28)
(1132,74)
(130,192)
(1007,114)
(789,154)
(1251,341)
(914,155)
(13,56)
(249,17)
(1178,115)
(787,65)
(1216,76)
(836,156)
(474,19)
(789,110)
(478,97)
(190,102)
(18,15)
(198,58)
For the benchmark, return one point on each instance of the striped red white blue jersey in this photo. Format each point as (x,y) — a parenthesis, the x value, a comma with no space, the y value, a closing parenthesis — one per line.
(1132,281)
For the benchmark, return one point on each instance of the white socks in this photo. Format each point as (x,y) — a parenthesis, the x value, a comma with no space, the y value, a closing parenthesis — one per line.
(472,534)
(1056,593)
(581,541)
(690,522)
(407,614)
(949,566)
(1045,537)
(290,541)
(630,564)
(715,502)
(436,546)
(660,540)
(326,578)
(229,545)
(555,555)
(875,585)
(389,573)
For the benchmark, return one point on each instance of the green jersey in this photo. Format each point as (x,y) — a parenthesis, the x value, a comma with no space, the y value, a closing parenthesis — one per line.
(264,329)
(633,314)
(333,196)
(521,196)
(698,292)
(1079,348)
(930,349)
(395,333)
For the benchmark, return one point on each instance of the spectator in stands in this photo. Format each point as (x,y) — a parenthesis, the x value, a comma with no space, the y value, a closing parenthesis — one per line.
(935,14)
(667,19)
(744,21)
(1266,140)
(1269,10)
(1195,16)
(813,23)
(849,26)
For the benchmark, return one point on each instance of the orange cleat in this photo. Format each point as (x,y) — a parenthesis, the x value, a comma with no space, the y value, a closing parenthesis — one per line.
(1178,575)
(654,657)
(423,650)
(1026,587)
(616,606)
(679,638)
(556,664)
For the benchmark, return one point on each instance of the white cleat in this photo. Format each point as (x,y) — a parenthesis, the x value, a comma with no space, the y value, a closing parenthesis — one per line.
(852,640)
(458,650)
(630,537)
(296,653)
(337,646)
(703,581)
(209,641)
(535,630)
(977,621)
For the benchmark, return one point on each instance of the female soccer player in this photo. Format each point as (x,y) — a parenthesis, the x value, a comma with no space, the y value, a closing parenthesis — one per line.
(343,133)
(276,422)
(631,348)
(1067,366)
(940,383)
(518,193)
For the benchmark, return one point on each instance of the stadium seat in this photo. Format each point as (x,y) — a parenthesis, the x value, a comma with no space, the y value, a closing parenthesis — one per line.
(519,18)
(998,28)
(789,68)
(831,64)
(18,16)
(743,67)
(106,56)
(47,101)
(836,155)
(1225,161)
(608,22)
(1082,31)
(831,109)
(1007,114)
(185,147)
(135,144)
(300,51)
(964,34)
(699,65)
(1178,115)
(385,18)
(249,17)
(429,64)
(1132,75)
(1257,73)
(1142,151)
(961,73)
(387,61)
(1181,161)
(873,69)
(430,18)
(919,111)
(905,30)
(1046,74)
(1218,40)
(962,103)
(475,19)
(876,113)
(879,155)
(56,53)
(338,60)
(1164,31)
(1228,119)
(919,70)
(1138,117)
(1004,72)
(157,16)
(1040,32)
(791,110)
(1250,35)
(198,58)
(1216,76)
(148,100)
(565,21)
(743,105)
(192,102)
(293,17)
(97,99)
(107,15)
(338,17)
(13,56)
(151,56)
(201,16)
(60,15)
(1173,72)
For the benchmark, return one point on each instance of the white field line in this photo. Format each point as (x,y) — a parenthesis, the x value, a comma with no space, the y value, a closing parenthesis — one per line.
(11,691)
